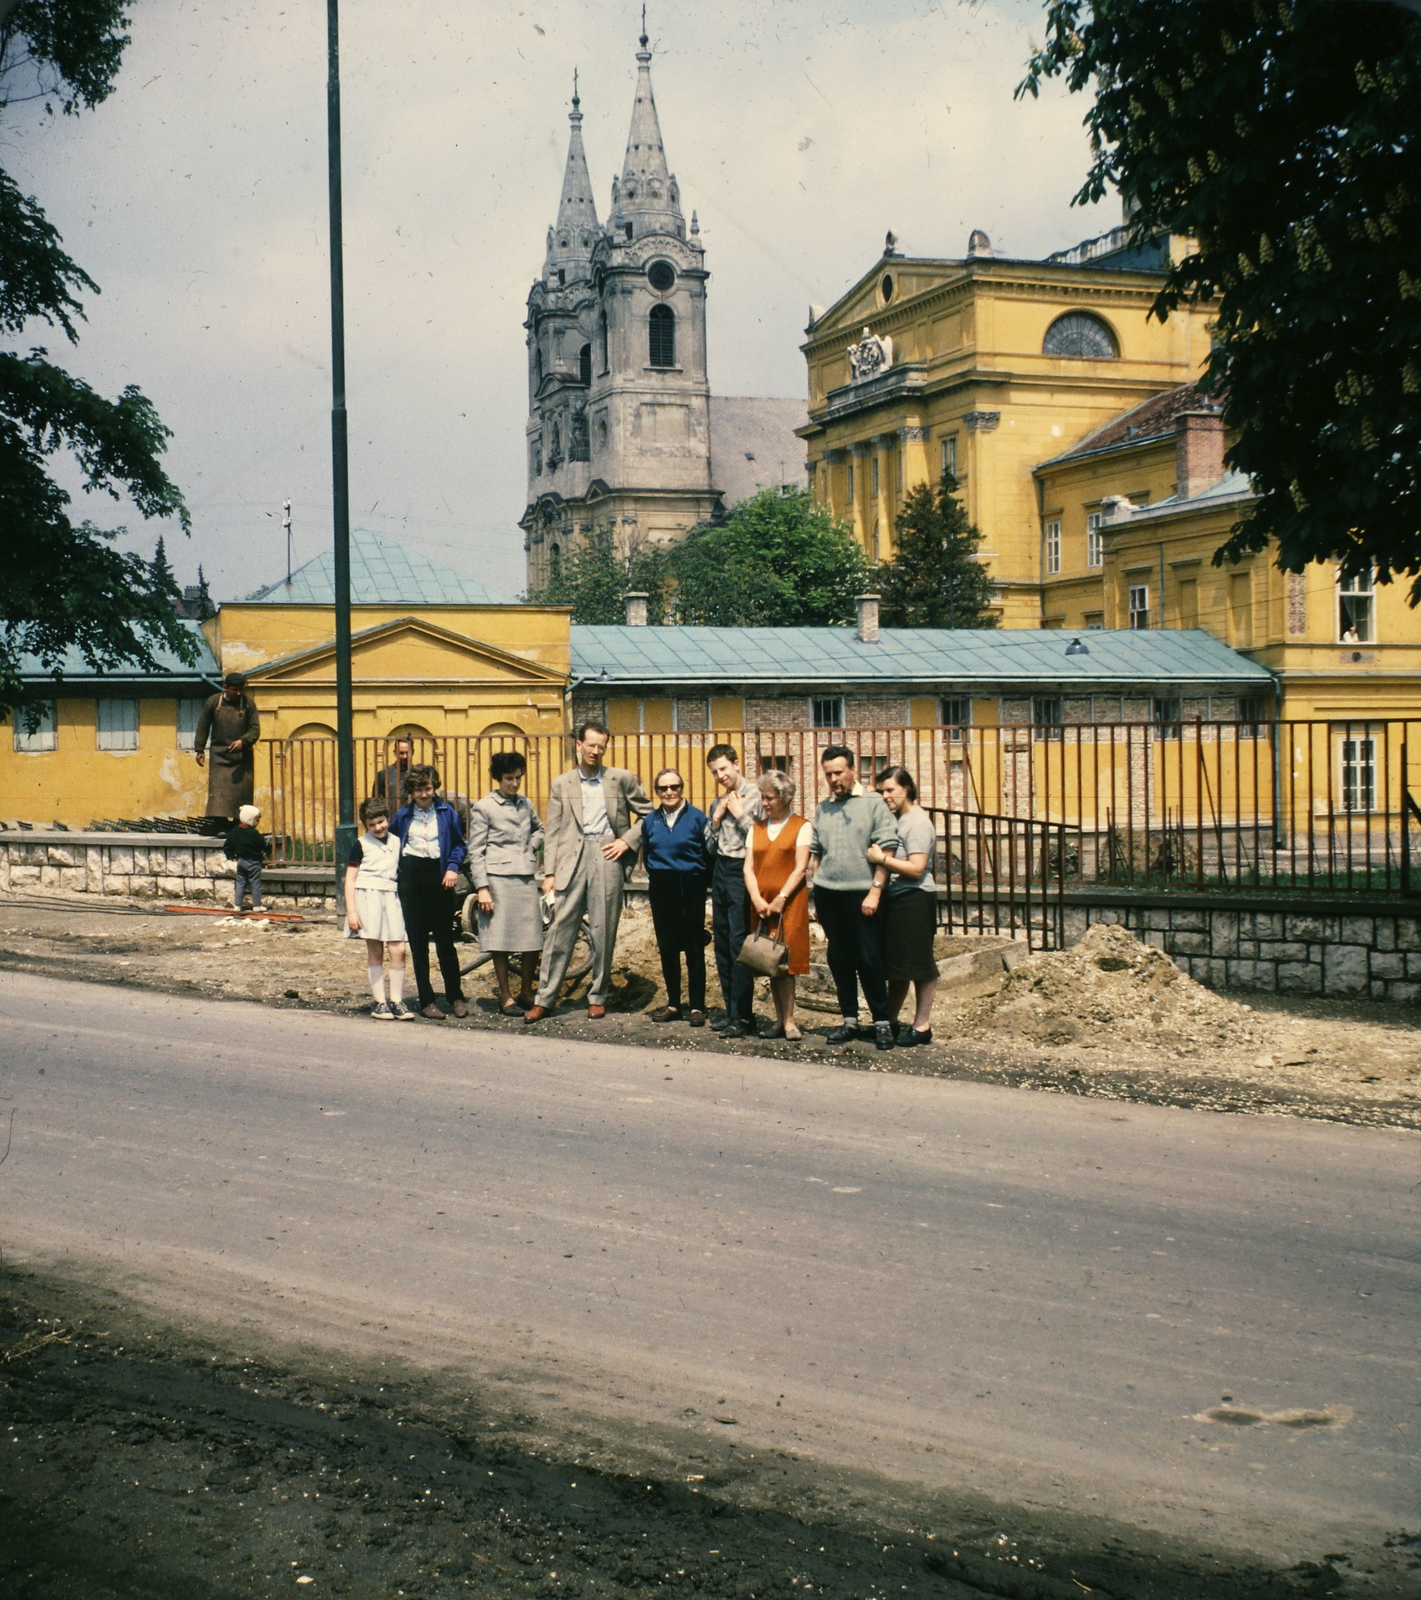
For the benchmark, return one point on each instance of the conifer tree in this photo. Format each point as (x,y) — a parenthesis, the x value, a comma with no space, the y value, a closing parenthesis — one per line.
(936,580)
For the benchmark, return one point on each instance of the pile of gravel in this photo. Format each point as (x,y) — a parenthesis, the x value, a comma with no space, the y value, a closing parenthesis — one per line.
(1109,988)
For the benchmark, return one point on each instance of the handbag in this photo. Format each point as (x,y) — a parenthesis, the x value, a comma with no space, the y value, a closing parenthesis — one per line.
(769,957)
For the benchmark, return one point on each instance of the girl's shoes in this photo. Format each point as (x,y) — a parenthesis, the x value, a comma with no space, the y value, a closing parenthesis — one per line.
(383,1012)
(400,1011)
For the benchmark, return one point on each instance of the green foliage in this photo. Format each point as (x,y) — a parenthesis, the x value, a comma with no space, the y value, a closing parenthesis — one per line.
(778,560)
(936,582)
(64,585)
(595,576)
(1283,139)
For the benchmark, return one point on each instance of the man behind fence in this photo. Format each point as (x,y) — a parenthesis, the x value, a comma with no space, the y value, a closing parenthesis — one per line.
(594,820)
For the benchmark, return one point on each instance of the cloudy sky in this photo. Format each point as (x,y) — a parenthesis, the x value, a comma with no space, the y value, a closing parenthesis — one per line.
(196,196)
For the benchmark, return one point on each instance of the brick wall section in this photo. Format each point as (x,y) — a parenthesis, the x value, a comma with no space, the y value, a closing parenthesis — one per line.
(588,708)
(1377,955)
(145,866)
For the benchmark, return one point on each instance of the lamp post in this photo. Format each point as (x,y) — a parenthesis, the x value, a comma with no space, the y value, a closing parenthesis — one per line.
(340,468)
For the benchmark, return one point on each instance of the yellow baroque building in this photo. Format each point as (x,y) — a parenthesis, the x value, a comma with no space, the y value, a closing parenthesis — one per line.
(984,366)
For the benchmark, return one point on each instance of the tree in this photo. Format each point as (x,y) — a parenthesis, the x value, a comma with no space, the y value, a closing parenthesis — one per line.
(64,585)
(1282,140)
(936,581)
(778,560)
(594,578)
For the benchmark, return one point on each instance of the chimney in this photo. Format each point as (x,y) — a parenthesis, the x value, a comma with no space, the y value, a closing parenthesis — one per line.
(636,600)
(868,618)
(1198,452)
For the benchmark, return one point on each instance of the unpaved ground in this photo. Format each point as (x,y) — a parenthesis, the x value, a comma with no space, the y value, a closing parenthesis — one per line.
(141,1461)
(1356,1061)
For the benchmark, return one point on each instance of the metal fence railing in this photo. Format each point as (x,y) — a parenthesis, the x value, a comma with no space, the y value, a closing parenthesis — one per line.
(1316,805)
(1004,875)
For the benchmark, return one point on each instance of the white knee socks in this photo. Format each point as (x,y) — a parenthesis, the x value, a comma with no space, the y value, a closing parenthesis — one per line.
(377,982)
(397,984)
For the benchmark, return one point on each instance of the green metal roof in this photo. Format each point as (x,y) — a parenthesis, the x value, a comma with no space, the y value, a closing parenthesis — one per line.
(78,675)
(932,657)
(382,573)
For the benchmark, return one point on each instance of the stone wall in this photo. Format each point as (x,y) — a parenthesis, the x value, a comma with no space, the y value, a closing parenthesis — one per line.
(1370,949)
(156,866)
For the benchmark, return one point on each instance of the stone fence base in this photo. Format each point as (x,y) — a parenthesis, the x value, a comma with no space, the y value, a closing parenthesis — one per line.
(147,866)
(1367,948)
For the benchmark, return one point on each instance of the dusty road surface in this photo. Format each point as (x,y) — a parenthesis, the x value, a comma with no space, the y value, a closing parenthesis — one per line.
(1055,1336)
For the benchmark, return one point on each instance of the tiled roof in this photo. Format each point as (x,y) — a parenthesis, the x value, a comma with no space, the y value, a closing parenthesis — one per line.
(381,573)
(1151,419)
(77,670)
(782,657)
(747,426)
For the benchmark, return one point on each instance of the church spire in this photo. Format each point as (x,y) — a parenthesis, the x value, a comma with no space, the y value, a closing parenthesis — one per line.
(570,241)
(647,199)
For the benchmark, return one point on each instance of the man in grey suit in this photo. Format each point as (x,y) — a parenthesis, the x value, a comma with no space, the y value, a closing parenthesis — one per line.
(594,820)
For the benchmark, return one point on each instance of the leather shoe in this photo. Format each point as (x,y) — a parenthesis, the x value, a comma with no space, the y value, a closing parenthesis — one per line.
(535,1013)
(883,1035)
(596,1013)
(461,1007)
(697,1019)
(432,1011)
(738,1030)
(843,1033)
(667,1014)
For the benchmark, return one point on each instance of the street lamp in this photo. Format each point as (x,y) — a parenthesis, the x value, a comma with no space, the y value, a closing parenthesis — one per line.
(1076,648)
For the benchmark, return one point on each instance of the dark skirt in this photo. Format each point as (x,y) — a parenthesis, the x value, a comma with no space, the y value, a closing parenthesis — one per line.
(909,927)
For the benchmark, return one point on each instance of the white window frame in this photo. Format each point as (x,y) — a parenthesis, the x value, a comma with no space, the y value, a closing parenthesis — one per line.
(1361,587)
(1095,539)
(836,701)
(1357,769)
(45,736)
(949,454)
(1053,547)
(116,723)
(1138,600)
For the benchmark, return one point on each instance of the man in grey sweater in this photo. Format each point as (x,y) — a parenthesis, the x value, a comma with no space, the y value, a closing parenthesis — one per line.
(847,891)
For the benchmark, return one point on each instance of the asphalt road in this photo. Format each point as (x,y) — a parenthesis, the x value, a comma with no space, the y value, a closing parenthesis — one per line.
(1022,1295)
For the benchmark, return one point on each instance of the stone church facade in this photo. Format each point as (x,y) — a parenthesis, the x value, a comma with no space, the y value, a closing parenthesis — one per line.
(622,428)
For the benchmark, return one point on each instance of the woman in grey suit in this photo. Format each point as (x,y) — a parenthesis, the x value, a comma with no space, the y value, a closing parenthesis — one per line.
(505,836)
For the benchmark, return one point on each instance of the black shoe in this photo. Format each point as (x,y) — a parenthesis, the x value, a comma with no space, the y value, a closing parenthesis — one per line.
(738,1030)
(914,1037)
(883,1035)
(844,1033)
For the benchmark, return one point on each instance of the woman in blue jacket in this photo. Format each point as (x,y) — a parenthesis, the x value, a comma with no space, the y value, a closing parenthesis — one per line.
(431,853)
(674,853)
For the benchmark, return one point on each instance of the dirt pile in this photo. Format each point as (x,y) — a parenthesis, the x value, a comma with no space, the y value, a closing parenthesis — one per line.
(1109,987)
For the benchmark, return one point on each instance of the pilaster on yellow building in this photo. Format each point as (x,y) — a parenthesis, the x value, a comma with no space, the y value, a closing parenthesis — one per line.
(984,366)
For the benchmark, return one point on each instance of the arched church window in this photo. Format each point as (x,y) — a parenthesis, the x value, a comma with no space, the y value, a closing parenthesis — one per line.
(602,337)
(1080,335)
(662,343)
(584,364)
(555,452)
(661,275)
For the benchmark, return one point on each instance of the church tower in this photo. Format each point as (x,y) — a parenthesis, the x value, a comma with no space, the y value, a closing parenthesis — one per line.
(619,402)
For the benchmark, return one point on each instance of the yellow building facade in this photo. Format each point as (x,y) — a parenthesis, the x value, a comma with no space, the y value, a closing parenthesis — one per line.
(983,366)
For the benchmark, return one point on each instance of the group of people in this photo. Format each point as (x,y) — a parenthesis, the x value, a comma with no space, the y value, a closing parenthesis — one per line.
(865,860)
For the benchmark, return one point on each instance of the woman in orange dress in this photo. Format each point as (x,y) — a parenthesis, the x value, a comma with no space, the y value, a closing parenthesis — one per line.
(775,868)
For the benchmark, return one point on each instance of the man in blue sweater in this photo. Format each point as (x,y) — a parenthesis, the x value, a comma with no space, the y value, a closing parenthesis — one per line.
(673,849)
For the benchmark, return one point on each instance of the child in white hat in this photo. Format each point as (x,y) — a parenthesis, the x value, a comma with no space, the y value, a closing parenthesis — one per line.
(246,847)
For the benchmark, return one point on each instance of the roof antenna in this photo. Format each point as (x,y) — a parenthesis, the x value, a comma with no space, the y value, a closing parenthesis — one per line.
(643,27)
(575,101)
(286,523)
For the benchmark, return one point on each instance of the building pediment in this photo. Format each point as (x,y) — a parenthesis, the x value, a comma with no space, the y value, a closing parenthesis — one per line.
(407,652)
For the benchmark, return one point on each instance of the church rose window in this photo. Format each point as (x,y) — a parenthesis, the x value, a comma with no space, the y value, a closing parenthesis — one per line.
(661,275)
(662,340)
(1081,335)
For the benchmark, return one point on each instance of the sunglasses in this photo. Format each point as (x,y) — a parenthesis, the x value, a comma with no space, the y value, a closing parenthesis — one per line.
(669,788)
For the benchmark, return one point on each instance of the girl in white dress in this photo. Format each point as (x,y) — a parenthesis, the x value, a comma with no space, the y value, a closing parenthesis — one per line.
(373,908)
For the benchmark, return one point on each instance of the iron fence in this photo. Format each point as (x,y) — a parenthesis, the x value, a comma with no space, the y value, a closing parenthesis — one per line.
(1322,805)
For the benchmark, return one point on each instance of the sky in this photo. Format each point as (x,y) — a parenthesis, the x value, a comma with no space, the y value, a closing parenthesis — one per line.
(800,131)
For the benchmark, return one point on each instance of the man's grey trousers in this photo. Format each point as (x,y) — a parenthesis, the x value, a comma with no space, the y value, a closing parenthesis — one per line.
(596,889)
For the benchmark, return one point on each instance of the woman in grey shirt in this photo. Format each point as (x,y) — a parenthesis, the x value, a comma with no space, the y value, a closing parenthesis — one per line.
(910,907)
(505,836)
